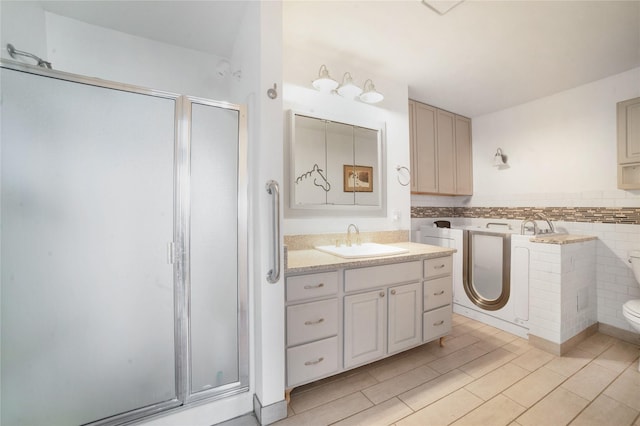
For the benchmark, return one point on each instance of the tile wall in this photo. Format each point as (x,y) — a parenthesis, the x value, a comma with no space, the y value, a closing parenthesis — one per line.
(612,216)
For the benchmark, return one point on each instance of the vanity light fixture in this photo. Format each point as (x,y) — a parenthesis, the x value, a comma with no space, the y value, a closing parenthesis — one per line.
(324,82)
(499,160)
(348,88)
(370,94)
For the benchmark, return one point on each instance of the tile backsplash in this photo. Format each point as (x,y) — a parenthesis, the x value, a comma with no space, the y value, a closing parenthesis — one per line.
(626,215)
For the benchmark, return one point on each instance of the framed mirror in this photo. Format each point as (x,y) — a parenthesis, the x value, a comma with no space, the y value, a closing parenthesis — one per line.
(334,167)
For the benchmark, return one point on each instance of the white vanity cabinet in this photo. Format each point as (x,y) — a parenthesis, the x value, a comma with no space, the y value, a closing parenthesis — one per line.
(386,319)
(438,295)
(381,322)
(364,321)
(351,316)
(313,325)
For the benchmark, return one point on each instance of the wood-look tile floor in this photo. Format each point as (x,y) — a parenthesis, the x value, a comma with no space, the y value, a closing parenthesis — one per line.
(482,376)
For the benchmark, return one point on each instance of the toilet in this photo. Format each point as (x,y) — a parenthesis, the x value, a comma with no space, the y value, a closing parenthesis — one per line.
(631,309)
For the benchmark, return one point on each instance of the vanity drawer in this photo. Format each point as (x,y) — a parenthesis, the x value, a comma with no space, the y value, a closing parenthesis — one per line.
(312,285)
(312,361)
(438,266)
(379,276)
(311,321)
(437,292)
(436,323)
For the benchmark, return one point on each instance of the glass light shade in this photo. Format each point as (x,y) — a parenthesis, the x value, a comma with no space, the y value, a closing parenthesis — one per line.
(324,82)
(498,159)
(348,89)
(370,95)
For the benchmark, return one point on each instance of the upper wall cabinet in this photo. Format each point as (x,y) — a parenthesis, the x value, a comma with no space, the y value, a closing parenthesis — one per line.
(440,151)
(629,144)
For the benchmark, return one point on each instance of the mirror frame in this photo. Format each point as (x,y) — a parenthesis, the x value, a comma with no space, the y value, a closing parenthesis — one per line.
(291,210)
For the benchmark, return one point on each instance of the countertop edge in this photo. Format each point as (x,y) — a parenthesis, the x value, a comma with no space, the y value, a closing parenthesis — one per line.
(316,261)
(562,239)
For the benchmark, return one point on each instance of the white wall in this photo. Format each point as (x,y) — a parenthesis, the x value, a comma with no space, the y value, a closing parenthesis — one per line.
(23,25)
(565,143)
(81,48)
(300,68)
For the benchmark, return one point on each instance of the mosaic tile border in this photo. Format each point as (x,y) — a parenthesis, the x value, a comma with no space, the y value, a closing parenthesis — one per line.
(625,215)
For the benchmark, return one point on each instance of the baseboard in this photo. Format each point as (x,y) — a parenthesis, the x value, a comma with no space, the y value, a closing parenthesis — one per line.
(271,413)
(619,333)
(560,349)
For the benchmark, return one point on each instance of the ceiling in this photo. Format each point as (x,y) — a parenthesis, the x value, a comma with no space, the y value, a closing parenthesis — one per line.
(479,57)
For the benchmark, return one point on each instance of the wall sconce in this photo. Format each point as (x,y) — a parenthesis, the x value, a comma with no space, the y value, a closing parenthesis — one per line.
(370,95)
(324,82)
(499,160)
(347,89)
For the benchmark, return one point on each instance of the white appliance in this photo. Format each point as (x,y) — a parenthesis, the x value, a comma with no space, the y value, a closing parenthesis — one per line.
(478,270)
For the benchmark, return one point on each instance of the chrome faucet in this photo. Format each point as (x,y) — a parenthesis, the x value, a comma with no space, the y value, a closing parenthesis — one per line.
(349,234)
(524,223)
(552,229)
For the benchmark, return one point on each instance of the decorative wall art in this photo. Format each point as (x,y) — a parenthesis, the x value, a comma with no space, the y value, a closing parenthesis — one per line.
(316,172)
(358,178)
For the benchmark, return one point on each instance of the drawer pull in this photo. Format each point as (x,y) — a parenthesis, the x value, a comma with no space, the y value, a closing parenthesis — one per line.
(318,361)
(321,320)
(439,266)
(440,293)
(435,324)
(311,287)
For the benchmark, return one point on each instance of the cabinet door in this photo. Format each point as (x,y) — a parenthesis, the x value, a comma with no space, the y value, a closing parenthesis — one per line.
(446,152)
(464,167)
(412,147)
(629,131)
(364,327)
(425,164)
(405,319)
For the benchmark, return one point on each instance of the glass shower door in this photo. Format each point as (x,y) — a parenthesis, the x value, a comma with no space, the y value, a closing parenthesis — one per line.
(218,339)
(86,215)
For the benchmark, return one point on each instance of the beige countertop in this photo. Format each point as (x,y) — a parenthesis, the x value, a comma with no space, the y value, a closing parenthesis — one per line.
(299,261)
(561,238)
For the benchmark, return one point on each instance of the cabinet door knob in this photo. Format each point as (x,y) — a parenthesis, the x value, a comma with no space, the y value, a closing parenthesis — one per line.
(382,294)
(318,361)
(393,292)
(440,293)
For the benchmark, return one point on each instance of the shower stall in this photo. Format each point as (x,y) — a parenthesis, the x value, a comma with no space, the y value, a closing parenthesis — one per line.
(123,256)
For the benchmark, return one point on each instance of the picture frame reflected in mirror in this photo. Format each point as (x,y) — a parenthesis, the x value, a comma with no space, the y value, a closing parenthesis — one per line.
(358,178)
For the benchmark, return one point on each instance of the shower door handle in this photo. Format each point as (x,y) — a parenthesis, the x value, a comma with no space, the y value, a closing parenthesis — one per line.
(273,276)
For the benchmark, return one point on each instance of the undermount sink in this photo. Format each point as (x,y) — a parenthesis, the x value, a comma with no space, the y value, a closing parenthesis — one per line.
(363,250)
